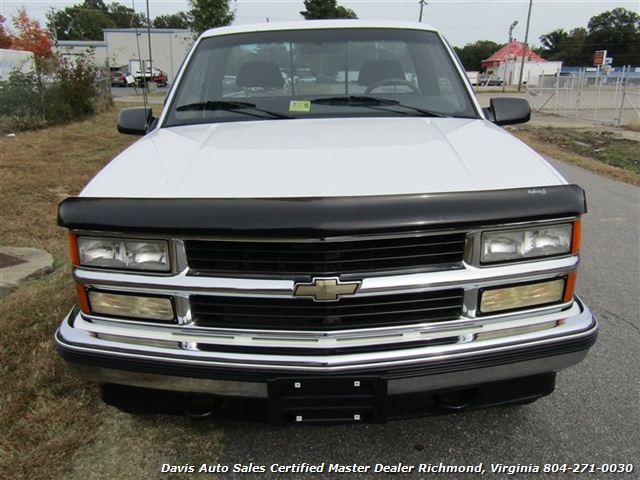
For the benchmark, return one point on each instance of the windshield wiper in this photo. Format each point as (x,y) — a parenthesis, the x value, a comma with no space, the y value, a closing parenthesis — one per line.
(354,100)
(215,105)
(373,102)
(225,105)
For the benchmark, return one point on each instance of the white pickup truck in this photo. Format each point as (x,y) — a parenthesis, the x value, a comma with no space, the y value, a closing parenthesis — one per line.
(352,249)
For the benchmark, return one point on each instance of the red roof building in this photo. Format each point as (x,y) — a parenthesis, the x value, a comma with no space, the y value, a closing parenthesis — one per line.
(510,53)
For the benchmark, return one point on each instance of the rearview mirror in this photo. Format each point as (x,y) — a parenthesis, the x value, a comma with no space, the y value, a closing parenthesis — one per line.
(508,111)
(135,121)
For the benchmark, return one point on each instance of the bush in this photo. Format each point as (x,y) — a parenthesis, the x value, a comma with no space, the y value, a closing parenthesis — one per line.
(37,99)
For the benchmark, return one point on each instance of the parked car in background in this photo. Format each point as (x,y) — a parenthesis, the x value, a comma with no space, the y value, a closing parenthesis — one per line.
(323,78)
(158,76)
(490,80)
(118,79)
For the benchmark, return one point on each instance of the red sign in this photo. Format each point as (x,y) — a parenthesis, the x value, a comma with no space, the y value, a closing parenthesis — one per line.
(599,57)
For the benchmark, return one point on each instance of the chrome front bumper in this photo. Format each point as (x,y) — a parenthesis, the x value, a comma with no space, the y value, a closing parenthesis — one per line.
(482,351)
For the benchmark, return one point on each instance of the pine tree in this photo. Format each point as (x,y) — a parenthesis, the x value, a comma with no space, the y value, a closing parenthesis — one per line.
(207,14)
(321,9)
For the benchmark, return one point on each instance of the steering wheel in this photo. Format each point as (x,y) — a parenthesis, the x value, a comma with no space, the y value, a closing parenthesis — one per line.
(393,81)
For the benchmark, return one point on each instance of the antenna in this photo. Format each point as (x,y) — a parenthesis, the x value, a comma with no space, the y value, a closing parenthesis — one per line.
(422,5)
(149,38)
(142,71)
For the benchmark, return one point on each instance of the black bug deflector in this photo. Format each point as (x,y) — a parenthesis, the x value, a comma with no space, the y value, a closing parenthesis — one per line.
(319,217)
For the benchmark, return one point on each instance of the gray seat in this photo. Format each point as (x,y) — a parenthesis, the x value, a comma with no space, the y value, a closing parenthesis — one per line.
(375,71)
(259,74)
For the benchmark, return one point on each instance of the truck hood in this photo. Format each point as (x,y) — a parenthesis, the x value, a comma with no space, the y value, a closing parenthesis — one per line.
(322,158)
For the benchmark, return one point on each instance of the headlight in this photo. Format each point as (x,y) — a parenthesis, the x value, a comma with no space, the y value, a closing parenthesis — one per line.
(527,243)
(131,306)
(522,296)
(128,254)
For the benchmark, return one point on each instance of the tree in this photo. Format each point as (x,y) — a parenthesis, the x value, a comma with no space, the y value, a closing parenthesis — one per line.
(472,54)
(569,48)
(618,32)
(85,21)
(5,38)
(553,43)
(125,17)
(87,25)
(173,20)
(321,9)
(575,50)
(30,36)
(207,14)
(343,12)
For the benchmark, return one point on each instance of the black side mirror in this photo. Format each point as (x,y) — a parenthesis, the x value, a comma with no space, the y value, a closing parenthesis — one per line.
(508,111)
(135,121)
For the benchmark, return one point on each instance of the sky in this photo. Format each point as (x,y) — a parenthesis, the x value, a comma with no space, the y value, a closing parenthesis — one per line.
(461,21)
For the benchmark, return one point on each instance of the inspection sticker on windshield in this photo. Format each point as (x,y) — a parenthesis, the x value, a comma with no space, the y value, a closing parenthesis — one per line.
(300,106)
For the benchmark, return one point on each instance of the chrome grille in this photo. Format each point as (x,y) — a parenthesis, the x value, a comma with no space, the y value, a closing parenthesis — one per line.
(360,256)
(305,314)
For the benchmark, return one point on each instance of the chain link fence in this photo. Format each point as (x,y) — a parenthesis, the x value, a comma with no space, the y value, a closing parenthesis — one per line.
(611,99)
(53,94)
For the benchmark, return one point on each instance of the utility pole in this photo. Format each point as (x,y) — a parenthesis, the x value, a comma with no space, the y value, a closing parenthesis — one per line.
(423,3)
(53,22)
(524,51)
(506,57)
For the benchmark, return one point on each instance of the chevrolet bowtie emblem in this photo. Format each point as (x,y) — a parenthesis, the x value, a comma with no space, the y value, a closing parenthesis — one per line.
(325,289)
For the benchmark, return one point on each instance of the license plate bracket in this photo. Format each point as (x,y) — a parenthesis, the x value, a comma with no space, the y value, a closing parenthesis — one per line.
(323,400)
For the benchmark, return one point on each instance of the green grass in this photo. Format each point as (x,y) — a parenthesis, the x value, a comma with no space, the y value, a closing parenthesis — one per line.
(602,152)
(602,146)
(128,446)
(53,424)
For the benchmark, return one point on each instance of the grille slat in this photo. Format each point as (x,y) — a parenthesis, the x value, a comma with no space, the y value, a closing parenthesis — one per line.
(323,257)
(265,314)
(253,247)
(345,261)
(305,314)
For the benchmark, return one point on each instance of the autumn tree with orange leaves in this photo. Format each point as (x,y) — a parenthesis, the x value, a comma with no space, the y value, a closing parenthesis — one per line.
(30,36)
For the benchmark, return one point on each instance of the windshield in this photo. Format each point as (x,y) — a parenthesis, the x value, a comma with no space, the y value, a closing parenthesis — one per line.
(316,73)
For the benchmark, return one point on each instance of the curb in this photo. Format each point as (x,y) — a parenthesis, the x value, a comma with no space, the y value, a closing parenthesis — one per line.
(20,264)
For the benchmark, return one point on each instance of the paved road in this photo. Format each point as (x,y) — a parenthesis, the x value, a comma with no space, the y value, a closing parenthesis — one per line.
(131,94)
(593,417)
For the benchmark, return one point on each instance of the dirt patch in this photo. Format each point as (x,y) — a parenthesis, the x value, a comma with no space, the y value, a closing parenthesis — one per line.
(604,151)
(603,146)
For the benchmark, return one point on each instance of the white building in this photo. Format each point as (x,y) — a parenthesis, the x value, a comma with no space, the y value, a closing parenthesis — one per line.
(11,60)
(71,48)
(125,49)
(128,47)
(507,64)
